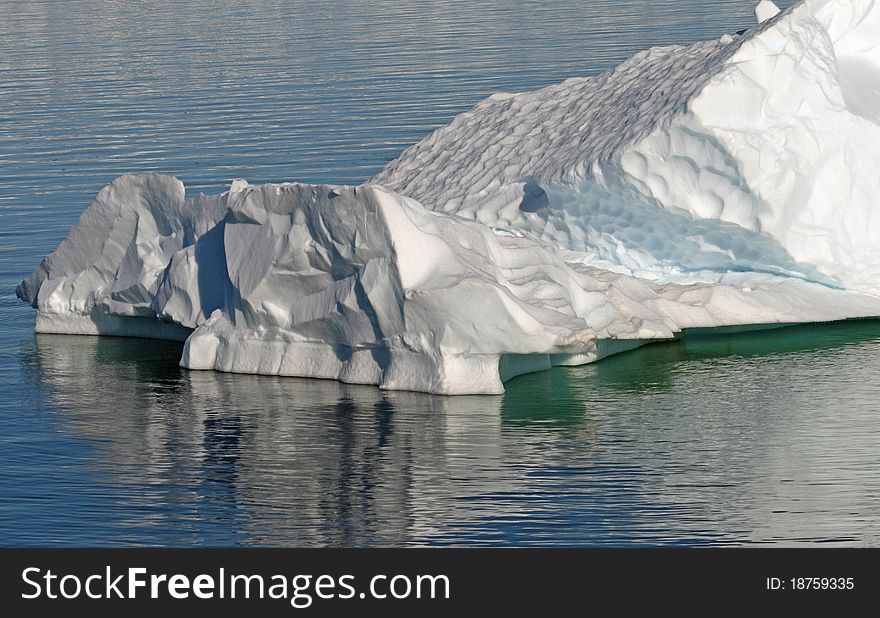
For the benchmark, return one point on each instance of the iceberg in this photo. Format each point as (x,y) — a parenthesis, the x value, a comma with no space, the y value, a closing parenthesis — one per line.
(730,183)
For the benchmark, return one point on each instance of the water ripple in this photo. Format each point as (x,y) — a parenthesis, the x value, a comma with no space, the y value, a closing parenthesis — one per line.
(767,438)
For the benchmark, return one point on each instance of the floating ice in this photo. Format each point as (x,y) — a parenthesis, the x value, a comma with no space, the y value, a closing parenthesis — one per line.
(727,183)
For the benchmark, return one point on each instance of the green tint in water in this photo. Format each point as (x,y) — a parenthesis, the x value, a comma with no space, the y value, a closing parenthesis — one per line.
(731,438)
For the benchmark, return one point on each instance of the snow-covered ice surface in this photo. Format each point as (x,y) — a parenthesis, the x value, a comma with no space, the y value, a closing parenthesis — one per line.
(730,183)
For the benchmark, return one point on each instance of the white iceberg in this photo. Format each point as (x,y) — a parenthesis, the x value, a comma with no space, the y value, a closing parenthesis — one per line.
(727,183)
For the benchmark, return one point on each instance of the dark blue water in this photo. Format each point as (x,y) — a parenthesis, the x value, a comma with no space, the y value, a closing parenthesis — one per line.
(763,438)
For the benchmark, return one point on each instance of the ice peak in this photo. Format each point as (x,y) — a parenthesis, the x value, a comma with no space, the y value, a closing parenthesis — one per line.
(765,10)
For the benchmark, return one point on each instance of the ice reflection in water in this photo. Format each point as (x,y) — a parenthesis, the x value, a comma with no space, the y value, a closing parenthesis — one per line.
(720,439)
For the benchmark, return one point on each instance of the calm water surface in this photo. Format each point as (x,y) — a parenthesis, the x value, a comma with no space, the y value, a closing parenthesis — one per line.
(763,438)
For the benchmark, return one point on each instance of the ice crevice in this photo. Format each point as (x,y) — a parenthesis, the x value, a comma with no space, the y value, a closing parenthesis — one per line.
(729,183)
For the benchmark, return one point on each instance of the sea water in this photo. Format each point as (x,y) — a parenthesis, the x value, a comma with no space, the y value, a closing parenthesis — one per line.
(767,437)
